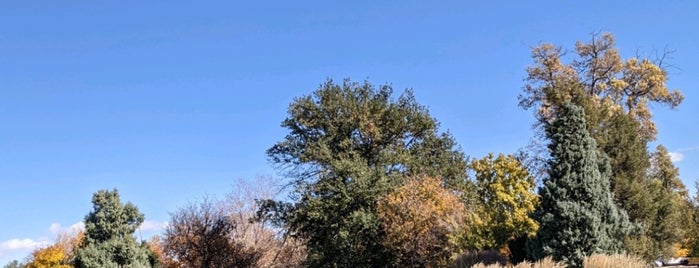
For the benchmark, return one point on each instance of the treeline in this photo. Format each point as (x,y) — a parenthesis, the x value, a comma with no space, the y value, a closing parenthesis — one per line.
(372,182)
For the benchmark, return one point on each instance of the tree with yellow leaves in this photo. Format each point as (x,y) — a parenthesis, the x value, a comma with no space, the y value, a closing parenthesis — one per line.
(506,194)
(52,256)
(629,85)
(58,255)
(419,219)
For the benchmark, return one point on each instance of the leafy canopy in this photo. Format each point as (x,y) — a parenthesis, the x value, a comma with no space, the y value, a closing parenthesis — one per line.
(347,145)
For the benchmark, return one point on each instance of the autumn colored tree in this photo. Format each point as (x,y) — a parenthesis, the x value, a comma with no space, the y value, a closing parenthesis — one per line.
(52,256)
(69,243)
(349,144)
(277,248)
(109,239)
(577,216)
(200,235)
(157,249)
(420,219)
(506,194)
(59,254)
(629,85)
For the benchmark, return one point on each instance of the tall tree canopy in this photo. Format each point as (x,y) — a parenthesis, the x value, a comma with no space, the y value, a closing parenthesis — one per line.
(629,85)
(348,144)
(109,239)
(578,216)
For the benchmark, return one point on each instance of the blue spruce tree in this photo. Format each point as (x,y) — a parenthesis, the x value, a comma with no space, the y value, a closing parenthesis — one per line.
(577,215)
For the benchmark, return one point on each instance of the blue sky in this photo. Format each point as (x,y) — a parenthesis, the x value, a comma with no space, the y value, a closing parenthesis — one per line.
(170,101)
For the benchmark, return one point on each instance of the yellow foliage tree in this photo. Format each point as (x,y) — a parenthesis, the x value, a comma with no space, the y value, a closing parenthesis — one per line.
(630,85)
(419,219)
(506,194)
(48,257)
(58,255)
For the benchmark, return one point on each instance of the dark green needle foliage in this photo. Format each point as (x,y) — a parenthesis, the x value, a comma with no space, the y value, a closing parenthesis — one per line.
(109,234)
(577,216)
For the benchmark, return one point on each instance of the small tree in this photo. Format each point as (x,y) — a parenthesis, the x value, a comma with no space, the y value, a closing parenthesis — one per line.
(578,216)
(200,235)
(505,190)
(48,257)
(419,219)
(109,239)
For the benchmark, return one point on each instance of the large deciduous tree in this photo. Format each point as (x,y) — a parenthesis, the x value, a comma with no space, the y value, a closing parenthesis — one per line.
(629,85)
(348,144)
(577,216)
(109,234)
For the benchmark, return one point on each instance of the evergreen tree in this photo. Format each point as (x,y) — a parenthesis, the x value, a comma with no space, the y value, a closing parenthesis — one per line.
(109,239)
(349,144)
(577,215)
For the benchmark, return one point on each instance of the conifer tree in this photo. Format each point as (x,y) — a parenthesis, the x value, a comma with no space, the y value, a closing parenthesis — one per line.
(109,234)
(577,216)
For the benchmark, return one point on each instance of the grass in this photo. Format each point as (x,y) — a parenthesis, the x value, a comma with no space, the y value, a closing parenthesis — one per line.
(492,259)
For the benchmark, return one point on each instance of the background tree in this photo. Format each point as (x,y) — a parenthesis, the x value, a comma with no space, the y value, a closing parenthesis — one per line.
(420,219)
(51,256)
(670,220)
(109,229)
(201,235)
(277,248)
(505,191)
(14,264)
(59,254)
(348,144)
(577,215)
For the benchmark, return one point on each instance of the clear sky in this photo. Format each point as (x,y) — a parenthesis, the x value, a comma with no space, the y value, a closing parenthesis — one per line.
(170,101)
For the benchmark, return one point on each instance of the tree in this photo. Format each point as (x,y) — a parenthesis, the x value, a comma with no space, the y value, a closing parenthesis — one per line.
(277,248)
(629,85)
(109,239)
(672,201)
(59,254)
(420,219)
(505,192)
(200,235)
(577,215)
(14,264)
(348,144)
(51,256)
(615,94)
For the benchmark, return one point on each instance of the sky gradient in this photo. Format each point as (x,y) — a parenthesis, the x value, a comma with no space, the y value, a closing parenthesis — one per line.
(172,101)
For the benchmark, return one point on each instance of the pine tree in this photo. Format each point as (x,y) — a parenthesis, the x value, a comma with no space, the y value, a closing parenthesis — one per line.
(577,215)
(109,239)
